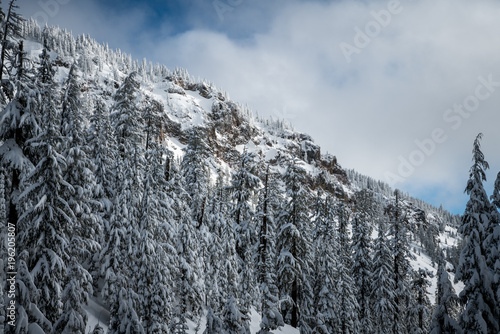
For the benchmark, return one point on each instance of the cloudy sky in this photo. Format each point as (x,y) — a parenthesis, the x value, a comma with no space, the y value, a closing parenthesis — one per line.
(397,90)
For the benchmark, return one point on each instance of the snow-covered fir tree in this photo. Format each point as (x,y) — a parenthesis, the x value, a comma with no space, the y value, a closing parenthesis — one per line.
(216,279)
(188,298)
(102,150)
(113,270)
(128,123)
(420,309)
(79,172)
(347,321)
(48,219)
(447,305)
(196,173)
(294,256)
(214,323)
(152,276)
(491,243)
(75,295)
(268,204)
(28,315)
(234,320)
(479,314)
(243,185)
(362,248)
(325,264)
(129,320)
(383,285)
(400,247)
(187,244)
(11,29)
(20,124)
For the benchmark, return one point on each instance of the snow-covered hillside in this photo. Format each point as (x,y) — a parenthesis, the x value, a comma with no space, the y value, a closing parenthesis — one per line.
(160,202)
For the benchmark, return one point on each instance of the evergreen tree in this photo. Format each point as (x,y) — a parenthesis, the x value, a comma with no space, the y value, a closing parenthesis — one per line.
(362,256)
(215,273)
(495,198)
(294,250)
(189,276)
(19,124)
(154,117)
(129,320)
(420,310)
(151,275)
(235,322)
(243,186)
(320,325)
(102,146)
(491,243)
(48,220)
(189,298)
(74,296)
(443,319)
(128,123)
(326,254)
(402,268)
(477,296)
(271,316)
(214,323)
(347,321)
(28,316)
(196,173)
(11,29)
(383,285)
(102,149)
(79,173)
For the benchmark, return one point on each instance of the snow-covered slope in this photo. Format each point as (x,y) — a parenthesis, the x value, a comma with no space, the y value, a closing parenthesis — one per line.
(231,128)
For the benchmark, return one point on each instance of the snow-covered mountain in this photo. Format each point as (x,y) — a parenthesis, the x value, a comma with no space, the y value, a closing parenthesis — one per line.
(230,131)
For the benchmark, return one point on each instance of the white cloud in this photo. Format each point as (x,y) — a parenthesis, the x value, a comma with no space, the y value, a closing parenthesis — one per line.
(369,111)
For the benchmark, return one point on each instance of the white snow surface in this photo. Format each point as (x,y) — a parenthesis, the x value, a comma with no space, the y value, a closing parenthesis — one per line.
(255,319)
(98,314)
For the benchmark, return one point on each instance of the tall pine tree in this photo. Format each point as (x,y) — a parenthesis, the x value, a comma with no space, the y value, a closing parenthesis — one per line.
(383,285)
(362,248)
(48,220)
(447,305)
(325,266)
(271,316)
(479,314)
(293,244)
(243,186)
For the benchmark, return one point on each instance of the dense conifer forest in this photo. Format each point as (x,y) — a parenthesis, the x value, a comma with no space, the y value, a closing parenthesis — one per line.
(152,194)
